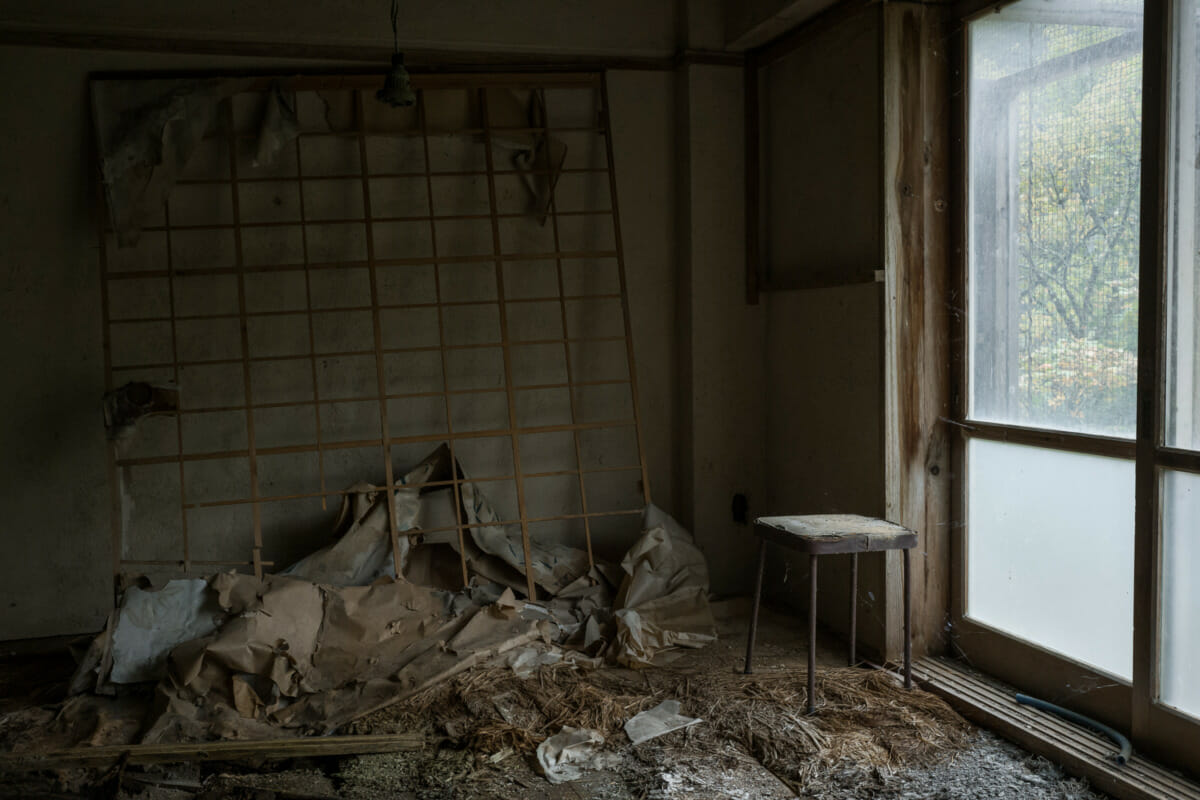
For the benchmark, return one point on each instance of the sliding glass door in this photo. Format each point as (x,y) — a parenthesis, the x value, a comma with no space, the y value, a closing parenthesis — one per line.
(1079,464)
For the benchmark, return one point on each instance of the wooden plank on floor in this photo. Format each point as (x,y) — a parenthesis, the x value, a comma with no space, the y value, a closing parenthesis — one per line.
(216,751)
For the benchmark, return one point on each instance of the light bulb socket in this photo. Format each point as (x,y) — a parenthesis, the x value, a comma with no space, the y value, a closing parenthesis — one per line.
(397,89)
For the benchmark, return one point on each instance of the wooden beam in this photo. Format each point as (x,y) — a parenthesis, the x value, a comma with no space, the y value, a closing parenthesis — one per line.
(916,118)
(1057,440)
(418,60)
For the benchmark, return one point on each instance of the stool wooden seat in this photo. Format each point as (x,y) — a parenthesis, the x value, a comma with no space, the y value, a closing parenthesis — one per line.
(823,534)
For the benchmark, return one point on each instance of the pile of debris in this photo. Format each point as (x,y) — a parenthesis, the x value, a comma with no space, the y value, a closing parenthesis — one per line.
(343,633)
(343,641)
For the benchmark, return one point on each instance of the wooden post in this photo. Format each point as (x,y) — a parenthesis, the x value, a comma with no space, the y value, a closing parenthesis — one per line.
(916,119)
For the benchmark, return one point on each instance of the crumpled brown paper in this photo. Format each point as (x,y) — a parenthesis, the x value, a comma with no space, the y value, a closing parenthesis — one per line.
(663,601)
(147,131)
(305,653)
(362,551)
(297,657)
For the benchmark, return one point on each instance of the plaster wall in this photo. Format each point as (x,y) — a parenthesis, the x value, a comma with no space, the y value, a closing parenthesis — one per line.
(725,351)
(822,148)
(824,345)
(825,453)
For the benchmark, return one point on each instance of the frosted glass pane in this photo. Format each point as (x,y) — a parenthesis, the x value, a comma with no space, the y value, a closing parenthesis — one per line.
(1180,656)
(1054,190)
(1050,550)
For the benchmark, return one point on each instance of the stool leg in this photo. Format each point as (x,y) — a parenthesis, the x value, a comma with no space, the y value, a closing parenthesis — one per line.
(762,563)
(853,605)
(812,635)
(907,621)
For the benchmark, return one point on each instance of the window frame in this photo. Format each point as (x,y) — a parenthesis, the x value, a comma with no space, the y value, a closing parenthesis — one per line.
(1134,707)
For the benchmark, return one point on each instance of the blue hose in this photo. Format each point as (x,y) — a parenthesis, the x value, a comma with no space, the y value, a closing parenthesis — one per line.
(1087,722)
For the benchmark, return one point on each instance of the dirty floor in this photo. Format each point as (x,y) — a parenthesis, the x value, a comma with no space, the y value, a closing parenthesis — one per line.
(754,741)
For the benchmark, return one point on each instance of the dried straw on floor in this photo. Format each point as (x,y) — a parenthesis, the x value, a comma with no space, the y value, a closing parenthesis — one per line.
(865,719)
(558,695)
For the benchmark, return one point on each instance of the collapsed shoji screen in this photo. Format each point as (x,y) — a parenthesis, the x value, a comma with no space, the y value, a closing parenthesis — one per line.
(386,285)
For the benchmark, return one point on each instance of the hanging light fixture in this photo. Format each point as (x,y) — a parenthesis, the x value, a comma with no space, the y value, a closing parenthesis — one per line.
(397,91)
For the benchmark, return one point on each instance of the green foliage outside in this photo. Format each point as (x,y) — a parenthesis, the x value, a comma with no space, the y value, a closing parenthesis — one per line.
(1078,176)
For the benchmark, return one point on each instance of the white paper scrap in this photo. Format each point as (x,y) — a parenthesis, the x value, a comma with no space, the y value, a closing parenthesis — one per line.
(655,722)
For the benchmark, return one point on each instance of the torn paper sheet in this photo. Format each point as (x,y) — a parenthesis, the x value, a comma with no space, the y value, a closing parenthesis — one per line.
(662,560)
(440,655)
(663,601)
(554,566)
(363,553)
(655,722)
(565,755)
(525,661)
(147,131)
(91,673)
(279,126)
(275,638)
(150,623)
(537,156)
(125,406)
(646,634)
(297,658)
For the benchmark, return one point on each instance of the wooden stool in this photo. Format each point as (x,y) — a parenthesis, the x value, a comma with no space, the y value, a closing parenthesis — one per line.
(819,535)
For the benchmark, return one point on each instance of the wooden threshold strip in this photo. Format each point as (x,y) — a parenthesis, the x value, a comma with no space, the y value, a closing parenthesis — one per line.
(216,751)
(1079,751)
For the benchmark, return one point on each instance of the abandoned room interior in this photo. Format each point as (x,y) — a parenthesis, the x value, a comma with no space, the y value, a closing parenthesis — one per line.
(601,399)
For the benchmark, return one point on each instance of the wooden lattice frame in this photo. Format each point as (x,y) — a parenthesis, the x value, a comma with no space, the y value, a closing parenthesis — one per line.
(363,87)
